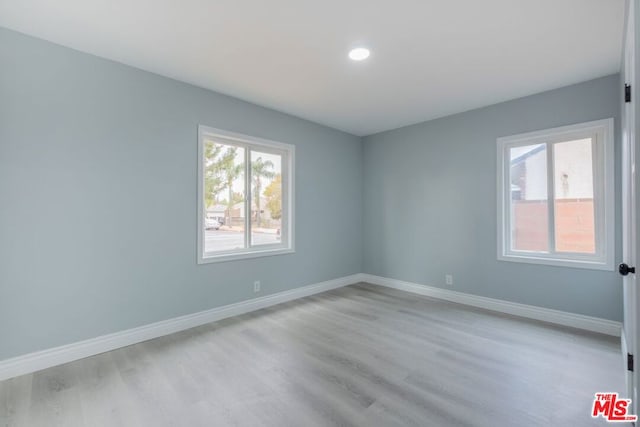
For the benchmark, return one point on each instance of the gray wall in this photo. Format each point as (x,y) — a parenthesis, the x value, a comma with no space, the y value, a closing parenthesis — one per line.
(430,203)
(98,198)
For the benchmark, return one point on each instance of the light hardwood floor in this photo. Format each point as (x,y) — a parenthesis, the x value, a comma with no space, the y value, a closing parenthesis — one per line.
(361,355)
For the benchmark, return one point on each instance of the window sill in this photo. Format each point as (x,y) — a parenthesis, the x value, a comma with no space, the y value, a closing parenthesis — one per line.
(208,259)
(558,262)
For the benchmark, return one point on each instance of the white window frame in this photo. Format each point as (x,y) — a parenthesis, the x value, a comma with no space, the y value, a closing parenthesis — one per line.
(249,143)
(604,203)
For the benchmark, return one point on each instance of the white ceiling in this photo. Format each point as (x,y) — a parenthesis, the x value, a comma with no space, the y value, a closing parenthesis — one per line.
(430,58)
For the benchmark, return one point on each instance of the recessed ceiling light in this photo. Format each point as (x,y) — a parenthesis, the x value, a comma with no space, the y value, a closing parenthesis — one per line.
(359,53)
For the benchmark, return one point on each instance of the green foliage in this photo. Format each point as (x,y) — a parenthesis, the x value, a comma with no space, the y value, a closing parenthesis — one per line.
(236,198)
(273,193)
(231,172)
(213,180)
(260,170)
(220,171)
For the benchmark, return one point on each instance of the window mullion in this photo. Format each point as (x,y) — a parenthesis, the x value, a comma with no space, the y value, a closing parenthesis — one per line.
(247,197)
(551,222)
(508,210)
(288,197)
(598,179)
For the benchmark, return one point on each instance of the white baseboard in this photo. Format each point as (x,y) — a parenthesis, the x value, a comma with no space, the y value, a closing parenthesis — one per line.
(579,321)
(36,361)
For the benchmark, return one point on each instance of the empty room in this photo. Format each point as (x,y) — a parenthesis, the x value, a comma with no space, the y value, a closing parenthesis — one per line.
(296,213)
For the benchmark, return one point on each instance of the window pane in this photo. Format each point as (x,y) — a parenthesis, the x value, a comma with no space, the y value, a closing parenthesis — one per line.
(224,197)
(266,194)
(529,212)
(574,210)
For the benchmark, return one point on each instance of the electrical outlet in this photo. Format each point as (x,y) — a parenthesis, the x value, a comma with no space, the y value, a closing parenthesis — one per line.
(448,278)
(256,286)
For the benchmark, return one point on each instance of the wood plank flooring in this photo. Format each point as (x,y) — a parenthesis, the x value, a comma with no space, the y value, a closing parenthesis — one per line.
(356,356)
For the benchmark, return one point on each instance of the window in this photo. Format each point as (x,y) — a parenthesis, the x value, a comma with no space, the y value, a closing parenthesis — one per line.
(556,196)
(245,196)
